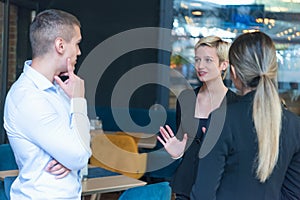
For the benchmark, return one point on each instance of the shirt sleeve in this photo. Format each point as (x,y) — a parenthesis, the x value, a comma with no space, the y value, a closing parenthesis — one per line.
(64,137)
(80,121)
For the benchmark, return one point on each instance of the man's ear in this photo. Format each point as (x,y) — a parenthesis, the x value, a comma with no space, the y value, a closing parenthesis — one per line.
(59,45)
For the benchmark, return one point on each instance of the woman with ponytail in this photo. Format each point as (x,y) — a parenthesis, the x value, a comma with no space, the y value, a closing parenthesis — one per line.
(257,155)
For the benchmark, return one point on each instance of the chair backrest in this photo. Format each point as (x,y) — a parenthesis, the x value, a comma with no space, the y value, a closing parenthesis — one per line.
(7,158)
(2,191)
(155,191)
(118,153)
(8,181)
(7,162)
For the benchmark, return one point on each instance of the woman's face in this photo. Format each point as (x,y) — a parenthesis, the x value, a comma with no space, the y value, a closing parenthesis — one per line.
(207,63)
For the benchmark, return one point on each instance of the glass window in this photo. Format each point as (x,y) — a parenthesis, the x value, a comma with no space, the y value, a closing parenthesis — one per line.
(226,19)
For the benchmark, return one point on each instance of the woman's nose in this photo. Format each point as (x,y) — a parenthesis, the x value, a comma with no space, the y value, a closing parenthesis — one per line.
(198,65)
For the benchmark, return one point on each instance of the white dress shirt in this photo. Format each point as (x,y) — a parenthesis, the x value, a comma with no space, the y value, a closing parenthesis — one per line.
(43,124)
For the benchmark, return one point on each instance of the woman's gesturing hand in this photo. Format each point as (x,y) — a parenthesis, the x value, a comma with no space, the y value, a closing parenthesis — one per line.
(172,145)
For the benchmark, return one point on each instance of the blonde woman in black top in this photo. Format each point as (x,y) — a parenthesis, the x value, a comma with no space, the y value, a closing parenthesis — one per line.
(193,109)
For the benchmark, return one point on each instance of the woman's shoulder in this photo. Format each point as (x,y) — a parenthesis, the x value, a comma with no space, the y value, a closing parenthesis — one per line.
(290,117)
(189,92)
(231,97)
(290,130)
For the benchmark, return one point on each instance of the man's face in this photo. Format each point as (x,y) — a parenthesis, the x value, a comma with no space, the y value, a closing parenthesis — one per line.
(72,48)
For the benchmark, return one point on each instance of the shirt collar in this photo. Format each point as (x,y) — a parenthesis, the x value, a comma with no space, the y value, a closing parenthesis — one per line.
(40,81)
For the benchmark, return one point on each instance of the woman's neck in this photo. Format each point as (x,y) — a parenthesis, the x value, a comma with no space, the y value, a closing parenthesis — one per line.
(209,98)
(246,90)
(215,87)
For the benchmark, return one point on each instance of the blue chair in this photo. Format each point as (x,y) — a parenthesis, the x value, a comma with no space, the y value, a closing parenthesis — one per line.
(95,172)
(8,181)
(7,162)
(155,191)
(140,116)
(2,191)
(7,158)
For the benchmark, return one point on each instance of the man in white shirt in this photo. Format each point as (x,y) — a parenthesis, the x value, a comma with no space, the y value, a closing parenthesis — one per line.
(46,118)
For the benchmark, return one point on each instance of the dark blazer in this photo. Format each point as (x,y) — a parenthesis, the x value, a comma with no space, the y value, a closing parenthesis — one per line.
(186,172)
(227,172)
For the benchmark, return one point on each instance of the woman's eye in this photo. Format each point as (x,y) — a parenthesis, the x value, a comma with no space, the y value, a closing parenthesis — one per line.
(208,60)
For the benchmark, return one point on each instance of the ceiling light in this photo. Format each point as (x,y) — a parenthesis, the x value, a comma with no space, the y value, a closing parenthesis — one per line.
(196,4)
(197,13)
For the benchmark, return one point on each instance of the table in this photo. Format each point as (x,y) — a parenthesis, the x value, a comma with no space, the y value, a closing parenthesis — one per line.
(96,185)
(6,173)
(109,184)
(145,140)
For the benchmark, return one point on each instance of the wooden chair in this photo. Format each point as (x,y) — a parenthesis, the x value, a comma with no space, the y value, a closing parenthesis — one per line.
(118,153)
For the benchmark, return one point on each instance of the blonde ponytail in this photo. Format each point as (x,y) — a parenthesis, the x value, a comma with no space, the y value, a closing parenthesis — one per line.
(253,56)
(267,119)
